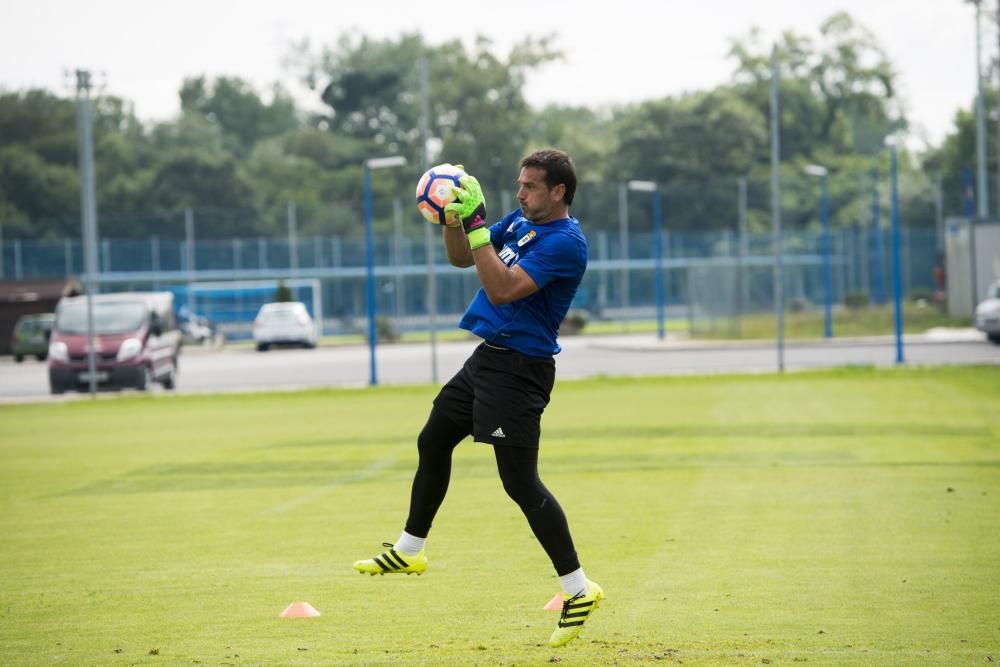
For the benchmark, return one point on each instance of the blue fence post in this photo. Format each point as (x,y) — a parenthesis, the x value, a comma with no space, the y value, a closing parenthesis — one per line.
(897,280)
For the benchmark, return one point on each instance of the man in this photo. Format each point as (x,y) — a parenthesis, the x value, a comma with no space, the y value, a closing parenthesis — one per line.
(530,265)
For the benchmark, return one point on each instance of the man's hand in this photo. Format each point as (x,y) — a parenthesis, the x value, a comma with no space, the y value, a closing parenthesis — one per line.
(470,207)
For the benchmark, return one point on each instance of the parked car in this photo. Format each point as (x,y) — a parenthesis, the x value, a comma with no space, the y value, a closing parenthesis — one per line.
(136,341)
(198,329)
(283,323)
(31,336)
(988,313)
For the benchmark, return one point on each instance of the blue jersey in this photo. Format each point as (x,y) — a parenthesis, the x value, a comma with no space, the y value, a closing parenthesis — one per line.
(555,256)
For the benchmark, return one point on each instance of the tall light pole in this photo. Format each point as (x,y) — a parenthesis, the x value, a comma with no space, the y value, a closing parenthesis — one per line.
(650,186)
(779,274)
(88,210)
(982,194)
(425,164)
(897,278)
(824,214)
(367,168)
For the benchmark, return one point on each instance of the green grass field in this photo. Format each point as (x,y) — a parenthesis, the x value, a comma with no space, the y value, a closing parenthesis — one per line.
(845,517)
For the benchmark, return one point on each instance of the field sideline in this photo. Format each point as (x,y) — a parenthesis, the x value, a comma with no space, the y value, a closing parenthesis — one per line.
(838,517)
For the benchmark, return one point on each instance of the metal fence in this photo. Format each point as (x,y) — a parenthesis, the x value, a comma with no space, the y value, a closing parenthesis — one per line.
(707,276)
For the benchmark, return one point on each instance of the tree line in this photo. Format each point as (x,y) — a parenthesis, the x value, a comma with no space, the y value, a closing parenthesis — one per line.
(238,156)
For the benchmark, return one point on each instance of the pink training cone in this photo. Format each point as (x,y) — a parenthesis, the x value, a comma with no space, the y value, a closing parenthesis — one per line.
(555,604)
(299,610)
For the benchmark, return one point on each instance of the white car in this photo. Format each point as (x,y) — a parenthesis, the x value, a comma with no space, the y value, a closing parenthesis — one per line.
(283,323)
(988,314)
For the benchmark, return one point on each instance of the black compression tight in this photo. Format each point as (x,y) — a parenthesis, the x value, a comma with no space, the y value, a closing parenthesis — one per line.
(435,444)
(518,468)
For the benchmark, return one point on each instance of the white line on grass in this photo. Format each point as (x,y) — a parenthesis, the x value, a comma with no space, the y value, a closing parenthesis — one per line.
(365,474)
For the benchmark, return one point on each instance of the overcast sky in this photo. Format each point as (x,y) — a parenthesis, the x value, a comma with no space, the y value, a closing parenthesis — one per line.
(617,52)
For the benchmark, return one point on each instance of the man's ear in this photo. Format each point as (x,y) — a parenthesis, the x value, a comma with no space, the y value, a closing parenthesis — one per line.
(558,192)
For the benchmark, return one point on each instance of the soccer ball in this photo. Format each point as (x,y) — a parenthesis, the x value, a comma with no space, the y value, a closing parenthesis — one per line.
(434,192)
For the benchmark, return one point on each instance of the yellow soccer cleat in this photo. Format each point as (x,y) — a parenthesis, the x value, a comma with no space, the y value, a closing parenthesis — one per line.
(392,562)
(575,612)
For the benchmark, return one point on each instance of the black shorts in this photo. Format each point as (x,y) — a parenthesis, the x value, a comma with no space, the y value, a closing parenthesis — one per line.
(500,395)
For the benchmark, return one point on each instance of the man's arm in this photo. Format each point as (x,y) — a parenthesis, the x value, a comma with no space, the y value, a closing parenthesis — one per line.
(456,245)
(469,242)
(501,284)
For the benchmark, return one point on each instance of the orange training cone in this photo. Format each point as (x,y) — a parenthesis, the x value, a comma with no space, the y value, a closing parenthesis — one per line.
(555,604)
(299,610)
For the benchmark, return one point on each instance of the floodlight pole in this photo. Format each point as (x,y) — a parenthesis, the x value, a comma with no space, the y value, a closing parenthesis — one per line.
(827,267)
(88,209)
(779,291)
(897,279)
(425,163)
(982,192)
(367,168)
(741,275)
(824,206)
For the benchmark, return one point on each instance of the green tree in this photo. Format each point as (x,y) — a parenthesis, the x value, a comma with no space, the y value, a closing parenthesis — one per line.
(588,135)
(837,95)
(477,109)
(313,169)
(697,137)
(954,161)
(243,117)
(190,179)
(238,156)
(284,293)
(196,166)
(39,161)
(40,122)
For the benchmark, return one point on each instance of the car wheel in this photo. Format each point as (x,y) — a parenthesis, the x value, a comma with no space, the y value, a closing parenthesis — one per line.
(143,382)
(994,338)
(57,389)
(41,357)
(262,347)
(170,381)
(18,358)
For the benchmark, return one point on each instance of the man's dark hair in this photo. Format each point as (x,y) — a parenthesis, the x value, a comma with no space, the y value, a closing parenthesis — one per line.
(558,168)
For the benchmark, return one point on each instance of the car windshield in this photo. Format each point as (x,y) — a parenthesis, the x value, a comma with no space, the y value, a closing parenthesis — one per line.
(109,318)
(279,315)
(28,326)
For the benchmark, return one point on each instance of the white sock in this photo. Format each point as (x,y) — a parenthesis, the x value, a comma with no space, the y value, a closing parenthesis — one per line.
(574,583)
(409,545)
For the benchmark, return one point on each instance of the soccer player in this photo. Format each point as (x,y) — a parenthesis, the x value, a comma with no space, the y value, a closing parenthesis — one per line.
(530,265)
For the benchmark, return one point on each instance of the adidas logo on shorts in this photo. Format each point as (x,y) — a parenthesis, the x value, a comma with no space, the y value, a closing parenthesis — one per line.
(498,433)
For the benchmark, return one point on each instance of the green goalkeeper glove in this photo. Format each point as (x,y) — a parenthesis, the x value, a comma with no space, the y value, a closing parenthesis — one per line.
(470,207)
